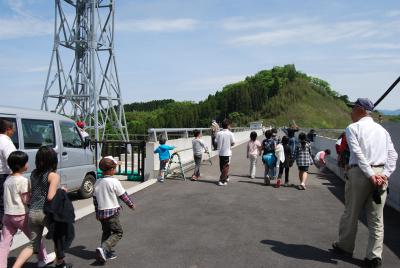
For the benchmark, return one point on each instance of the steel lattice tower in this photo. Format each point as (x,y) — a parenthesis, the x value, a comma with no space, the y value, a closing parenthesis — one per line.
(82,80)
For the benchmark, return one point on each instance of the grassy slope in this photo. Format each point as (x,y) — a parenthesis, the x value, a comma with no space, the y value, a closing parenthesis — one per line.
(308,106)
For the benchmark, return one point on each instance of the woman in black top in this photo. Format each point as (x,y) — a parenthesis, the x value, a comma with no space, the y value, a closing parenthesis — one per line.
(288,160)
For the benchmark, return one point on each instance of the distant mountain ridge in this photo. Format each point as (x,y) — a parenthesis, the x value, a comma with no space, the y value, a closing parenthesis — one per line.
(276,96)
(390,112)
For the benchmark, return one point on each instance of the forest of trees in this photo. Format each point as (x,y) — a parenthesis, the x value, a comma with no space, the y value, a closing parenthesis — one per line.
(267,95)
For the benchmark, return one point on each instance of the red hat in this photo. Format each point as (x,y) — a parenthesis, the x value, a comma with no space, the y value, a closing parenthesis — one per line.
(80,124)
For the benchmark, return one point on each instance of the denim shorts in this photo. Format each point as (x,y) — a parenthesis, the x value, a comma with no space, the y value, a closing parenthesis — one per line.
(163,164)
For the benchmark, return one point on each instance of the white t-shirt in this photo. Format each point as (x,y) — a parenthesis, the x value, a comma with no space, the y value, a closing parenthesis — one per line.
(107,190)
(224,140)
(6,148)
(317,157)
(14,187)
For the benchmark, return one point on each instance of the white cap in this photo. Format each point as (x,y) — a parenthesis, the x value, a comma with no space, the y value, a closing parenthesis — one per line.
(113,159)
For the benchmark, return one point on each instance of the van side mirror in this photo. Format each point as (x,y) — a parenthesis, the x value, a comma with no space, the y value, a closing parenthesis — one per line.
(86,142)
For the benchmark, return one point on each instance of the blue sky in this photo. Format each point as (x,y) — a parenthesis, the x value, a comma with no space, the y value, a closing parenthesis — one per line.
(186,50)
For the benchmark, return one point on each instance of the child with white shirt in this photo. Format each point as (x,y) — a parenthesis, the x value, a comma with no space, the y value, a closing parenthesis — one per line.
(16,200)
(107,190)
(225,140)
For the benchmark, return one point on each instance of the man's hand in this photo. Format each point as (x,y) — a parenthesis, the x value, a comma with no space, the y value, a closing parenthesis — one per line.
(382,179)
(378,180)
(374,180)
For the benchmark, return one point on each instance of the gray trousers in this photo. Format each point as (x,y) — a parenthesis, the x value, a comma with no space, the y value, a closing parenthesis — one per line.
(197,163)
(359,196)
(112,232)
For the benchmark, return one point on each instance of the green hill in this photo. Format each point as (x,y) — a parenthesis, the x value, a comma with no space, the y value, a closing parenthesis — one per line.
(276,96)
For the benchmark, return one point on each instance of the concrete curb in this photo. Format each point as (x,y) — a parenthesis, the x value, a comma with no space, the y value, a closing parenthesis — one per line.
(20,239)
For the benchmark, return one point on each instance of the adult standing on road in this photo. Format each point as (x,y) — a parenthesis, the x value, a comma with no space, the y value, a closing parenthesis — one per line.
(290,132)
(372,161)
(214,131)
(6,148)
(225,141)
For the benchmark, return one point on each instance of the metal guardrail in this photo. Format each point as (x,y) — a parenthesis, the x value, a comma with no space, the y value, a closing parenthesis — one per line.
(172,133)
(132,154)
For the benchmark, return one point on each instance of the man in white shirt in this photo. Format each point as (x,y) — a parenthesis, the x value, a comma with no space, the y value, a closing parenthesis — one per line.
(6,148)
(224,140)
(372,161)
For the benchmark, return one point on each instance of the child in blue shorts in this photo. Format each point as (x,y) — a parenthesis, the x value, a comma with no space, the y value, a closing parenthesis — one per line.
(164,155)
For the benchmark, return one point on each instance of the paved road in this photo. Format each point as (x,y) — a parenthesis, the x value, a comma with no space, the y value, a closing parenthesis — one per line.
(245,224)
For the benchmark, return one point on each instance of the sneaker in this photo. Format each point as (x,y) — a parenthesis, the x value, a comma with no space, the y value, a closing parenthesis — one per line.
(374,263)
(161,179)
(227,179)
(64,265)
(101,255)
(220,183)
(267,180)
(111,255)
(49,260)
(286,184)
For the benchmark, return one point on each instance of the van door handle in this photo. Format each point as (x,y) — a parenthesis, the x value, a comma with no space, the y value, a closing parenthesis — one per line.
(64,153)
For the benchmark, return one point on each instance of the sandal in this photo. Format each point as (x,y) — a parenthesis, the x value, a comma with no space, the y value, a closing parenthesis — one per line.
(300,187)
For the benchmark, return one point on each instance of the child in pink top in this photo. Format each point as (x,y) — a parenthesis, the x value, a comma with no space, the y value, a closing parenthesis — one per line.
(253,150)
(16,198)
(319,158)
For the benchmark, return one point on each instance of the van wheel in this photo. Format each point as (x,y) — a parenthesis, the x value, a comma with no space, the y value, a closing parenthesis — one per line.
(87,187)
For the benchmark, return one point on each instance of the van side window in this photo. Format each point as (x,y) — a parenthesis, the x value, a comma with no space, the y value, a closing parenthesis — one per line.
(38,133)
(14,138)
(70,135)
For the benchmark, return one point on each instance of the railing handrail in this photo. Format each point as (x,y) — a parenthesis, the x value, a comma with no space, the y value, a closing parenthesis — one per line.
(153,132)
(135,150)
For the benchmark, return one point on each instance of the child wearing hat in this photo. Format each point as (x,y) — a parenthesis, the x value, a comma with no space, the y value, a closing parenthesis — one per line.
(107,191)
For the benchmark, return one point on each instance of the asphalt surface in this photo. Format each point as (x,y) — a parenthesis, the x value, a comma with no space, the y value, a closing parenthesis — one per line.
(244,224)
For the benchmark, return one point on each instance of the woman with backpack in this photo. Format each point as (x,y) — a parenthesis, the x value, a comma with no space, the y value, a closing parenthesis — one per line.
(303,159)
(268,158)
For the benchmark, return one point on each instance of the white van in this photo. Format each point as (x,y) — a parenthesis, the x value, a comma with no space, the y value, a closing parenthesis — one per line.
(35,128)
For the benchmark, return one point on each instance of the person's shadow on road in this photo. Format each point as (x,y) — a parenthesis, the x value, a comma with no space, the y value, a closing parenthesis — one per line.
(83,253)
(306,252)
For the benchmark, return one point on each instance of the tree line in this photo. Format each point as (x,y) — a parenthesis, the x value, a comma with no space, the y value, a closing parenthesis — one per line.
(266,95)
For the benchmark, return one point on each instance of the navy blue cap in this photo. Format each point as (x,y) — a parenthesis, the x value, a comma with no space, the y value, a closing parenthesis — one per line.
(364,103)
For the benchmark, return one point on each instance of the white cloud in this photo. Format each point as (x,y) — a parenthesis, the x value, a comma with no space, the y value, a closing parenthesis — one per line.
(22,24)
(156,25)
(39,69)
(210,83)
(393,13)
(18,6)
(240,23)
(380,45)
(21,27)
(381,57)
(314,33)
